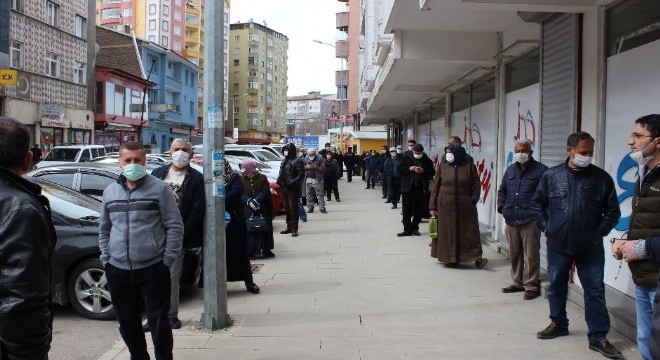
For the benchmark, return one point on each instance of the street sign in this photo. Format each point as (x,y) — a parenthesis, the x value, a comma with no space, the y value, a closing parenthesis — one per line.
(8,76)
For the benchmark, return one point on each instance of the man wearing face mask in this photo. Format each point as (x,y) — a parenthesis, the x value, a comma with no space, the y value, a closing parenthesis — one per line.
(371,165)
(514,200)
(644,224)
(393,177)
(576,205)
(188,187)
(314,169)
(349,161)
(140,238)
(330,176)
(384,156)
(416,174)
(290,180)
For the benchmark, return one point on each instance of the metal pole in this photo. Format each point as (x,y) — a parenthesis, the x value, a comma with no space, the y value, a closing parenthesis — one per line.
(341,106)
(215,272)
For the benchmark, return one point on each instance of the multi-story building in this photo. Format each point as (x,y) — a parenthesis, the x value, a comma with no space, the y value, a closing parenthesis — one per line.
(310,114)
(52,46)
(171,102)
(348,50)
(257,81)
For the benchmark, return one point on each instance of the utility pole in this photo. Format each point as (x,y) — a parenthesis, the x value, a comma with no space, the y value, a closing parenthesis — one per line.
(215,271)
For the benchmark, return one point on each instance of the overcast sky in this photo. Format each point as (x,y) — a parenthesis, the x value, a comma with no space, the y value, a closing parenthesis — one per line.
(311,66)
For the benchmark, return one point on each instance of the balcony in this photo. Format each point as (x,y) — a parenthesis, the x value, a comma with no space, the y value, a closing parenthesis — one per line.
(192,54)
(342,21)
(253,102)
(193,27)
(341,49)
(341,79)
(173,84)
(173,108)
(194,41)
(193,11)
(252,91)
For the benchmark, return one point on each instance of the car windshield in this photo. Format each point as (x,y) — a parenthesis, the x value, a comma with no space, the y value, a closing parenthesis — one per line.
(62,155)
(69,202)
(265,155)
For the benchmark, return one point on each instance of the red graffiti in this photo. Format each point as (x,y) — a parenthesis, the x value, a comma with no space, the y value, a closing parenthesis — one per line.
(485,177)
(472,135)
(527,121)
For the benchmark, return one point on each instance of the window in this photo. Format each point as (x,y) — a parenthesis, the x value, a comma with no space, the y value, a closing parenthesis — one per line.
(177,45)
(79,73)
(236,109)
(166,10)
(237,38)
(52,64)
(64,178)
(236,62)
(128,12)
(177,15)
(177,2)
(237,51)
(93,184)
(192,108)
(237,74)
(165,41)
(152,9)
(52,13)
(236,86)
(152,24)
(81,27)
(16,59)
(17,5)
(110,14)
(177,30)
(166,25)
(152,38)
(253,37)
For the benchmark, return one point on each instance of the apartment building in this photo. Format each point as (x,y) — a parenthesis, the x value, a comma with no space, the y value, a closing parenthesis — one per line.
(310,114)
(51,45)
(257,82)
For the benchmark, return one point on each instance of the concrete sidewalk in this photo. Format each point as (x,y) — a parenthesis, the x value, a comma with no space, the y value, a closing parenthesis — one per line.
(348,288)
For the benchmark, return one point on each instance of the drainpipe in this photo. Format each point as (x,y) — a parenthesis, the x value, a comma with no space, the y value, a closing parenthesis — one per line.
(499,163)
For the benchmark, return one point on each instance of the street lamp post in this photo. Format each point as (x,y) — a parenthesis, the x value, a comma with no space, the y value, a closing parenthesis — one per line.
(340,93)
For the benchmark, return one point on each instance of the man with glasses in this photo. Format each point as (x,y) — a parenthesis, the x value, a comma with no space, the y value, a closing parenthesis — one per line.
(644,222)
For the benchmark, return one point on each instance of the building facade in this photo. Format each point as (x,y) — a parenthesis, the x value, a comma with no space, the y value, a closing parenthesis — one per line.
(499,71)
(257,82)
(310,114)
(52,46)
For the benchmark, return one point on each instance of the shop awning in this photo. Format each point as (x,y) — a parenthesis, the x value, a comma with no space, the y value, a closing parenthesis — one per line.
(119,127)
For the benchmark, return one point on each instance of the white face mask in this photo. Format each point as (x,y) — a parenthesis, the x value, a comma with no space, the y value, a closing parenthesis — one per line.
(638,156)
(418,156)
(450,157)
(582,161)
(300,155)
(286,153)
(383,151)
(521,158)
(329,157)
(180,159)
(311,157)
(399,151)
(410,148)
(393,153)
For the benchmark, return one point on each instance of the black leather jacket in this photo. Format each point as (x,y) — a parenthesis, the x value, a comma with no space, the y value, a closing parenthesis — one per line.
(292,170)
(27,239)
(576,208)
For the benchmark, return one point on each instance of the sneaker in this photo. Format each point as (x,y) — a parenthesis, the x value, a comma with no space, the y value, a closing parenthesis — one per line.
(175,323)
(145,327)
(606,349)
(303,220)
(323,211)
(480,263)
(287,231)
(552,331)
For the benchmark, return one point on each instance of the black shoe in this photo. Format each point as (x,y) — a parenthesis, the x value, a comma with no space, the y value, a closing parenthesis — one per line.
(323,211)
(606,349)
(310,210)
(145,327)
(416,233)
(403,234)
(268,254)
(387,201)
(175,323)
(531,294)
(367,187)
(287,231)
(373,187)
(480,263)
(393,206)
(252,287)
(294,234)
(384,197)
(552,331)
(337,200)
(512,289)
(329,199)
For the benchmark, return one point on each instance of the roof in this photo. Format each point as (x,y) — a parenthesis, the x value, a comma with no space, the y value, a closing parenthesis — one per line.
(369,135)
(117,51)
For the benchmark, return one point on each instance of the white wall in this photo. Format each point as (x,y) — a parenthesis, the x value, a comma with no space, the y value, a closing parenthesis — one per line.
(482,135)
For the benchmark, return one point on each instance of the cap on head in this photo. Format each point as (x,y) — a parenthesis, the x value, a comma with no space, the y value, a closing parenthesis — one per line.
(418,148)
(392,149)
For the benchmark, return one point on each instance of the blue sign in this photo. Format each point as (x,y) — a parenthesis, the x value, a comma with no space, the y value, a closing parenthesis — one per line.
(306,142)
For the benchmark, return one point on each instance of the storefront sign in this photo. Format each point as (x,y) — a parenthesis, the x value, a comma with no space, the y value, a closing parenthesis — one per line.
(53,123)
(52,113)
(8,77)
(81,126)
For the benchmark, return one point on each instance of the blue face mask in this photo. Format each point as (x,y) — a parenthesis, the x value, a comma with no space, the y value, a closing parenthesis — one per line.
(134,172)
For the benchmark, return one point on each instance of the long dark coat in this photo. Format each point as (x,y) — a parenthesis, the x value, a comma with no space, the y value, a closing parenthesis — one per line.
(238,263)
(454,194)
(258,189)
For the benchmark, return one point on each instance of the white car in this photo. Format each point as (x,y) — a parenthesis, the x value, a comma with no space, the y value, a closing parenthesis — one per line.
(65,154)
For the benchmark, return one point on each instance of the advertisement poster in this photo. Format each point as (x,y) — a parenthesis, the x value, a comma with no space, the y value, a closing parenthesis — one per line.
(307,142)
(480,135)
(632,91)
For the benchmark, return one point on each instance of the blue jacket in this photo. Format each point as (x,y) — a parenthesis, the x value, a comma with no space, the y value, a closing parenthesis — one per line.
(192,205)
(514,198)
(372,162)
(576,209)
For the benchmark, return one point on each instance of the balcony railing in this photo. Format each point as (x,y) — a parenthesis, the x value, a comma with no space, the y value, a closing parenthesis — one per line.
(342,21)
(341,49)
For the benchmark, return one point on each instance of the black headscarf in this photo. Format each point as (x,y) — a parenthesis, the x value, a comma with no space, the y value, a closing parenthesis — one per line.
(459,154)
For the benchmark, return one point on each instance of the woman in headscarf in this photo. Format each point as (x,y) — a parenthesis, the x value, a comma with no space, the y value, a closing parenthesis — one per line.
(238,263)
(454,196)
(258,201)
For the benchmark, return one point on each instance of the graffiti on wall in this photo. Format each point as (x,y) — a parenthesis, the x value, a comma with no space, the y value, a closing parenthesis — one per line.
(472,136)
(626,182)
(526,129)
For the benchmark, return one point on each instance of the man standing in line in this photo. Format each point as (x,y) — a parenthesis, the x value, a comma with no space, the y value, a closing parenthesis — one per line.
(27,239)
(576,205)
(393,177)
(36,154)
(349,161)
(416,174)
(644,223)
(290,180)
(384,156)
(140,238)
(371,166)
(314,169)
(188,187)
(514,200)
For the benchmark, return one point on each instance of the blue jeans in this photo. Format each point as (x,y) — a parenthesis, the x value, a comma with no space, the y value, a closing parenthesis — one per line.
(301,211)
(644,298)
(590,269)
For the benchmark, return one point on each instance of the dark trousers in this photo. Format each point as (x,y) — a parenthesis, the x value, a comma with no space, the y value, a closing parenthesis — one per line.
(590,269)
(349,173)
(385,184)
(290,202)
(331,186)
(413,207)
(128,290)
(394,190)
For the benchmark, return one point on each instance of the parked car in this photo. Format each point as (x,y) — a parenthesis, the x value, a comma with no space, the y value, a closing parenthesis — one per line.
(262,155)
(71,153)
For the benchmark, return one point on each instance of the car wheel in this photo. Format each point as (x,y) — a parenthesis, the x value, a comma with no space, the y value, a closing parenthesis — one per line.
(88,291)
